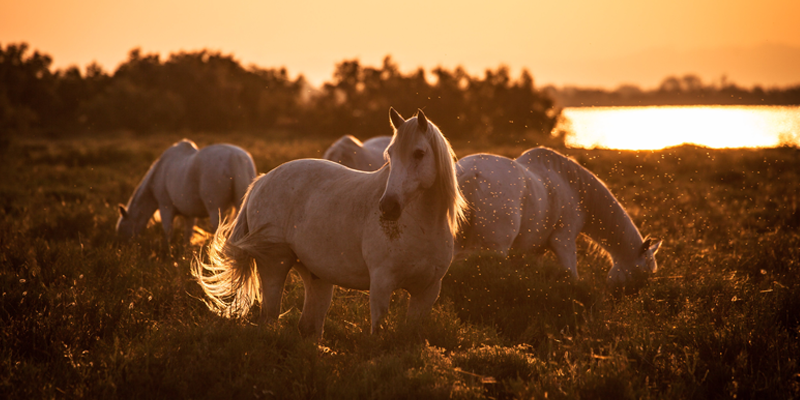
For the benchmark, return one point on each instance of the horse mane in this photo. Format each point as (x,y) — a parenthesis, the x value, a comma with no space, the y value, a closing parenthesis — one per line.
(595,197)
(446,184)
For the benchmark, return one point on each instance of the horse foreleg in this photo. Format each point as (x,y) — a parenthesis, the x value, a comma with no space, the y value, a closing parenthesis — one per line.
(563,244)
(318,296)
(421,303)
(380,295)
(167,217)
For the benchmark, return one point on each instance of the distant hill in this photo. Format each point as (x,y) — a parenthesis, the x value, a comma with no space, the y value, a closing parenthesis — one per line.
(744,65)
(688,79)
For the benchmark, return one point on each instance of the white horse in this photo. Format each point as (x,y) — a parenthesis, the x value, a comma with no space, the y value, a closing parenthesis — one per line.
(383,230)
(545,200)
(188,182)
(350,152)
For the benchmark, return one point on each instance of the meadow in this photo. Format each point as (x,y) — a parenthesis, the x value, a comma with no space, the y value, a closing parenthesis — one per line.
(86,316)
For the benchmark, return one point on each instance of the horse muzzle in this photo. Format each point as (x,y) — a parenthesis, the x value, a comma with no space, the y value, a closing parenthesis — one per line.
(390,208)
(627,282)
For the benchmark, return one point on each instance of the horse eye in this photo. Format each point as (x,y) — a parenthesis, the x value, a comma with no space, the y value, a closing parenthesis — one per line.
(418,154)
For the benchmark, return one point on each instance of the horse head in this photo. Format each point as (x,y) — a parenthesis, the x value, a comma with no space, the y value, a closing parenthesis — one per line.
(129,223)
(125,224)
(412,162)
(633,273)
(420,158)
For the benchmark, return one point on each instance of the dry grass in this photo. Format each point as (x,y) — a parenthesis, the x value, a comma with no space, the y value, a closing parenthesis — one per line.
(85,316)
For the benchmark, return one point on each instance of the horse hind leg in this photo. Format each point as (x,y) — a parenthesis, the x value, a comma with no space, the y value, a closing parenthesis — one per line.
(214,218)
(317,302)
(273,267)
(188,230)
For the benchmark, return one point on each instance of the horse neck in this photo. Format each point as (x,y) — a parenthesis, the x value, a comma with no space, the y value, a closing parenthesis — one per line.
(143,204)
(607,223)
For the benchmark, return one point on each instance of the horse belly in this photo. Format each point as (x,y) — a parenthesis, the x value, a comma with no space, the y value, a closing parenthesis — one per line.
(188,203)
(323,224)
(332,259)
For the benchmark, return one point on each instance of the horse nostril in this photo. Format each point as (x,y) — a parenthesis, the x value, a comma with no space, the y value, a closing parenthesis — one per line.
(390,208)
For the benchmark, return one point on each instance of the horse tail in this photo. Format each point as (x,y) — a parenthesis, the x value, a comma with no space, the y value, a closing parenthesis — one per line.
(229,277)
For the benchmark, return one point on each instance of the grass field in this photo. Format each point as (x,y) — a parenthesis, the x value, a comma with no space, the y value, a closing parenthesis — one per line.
(84,316)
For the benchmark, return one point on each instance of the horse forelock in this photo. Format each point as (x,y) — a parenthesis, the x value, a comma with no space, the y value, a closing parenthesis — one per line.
(405,136)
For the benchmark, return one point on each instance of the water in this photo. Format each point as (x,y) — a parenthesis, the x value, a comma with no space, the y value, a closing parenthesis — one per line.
(652,128)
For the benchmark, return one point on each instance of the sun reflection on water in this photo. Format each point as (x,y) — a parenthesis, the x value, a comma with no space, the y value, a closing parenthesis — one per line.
(652,128)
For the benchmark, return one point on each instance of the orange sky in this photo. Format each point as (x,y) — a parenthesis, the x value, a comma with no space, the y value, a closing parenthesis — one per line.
(582,42)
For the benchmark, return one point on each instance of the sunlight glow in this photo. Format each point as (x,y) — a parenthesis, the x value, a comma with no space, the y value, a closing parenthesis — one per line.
(652,128)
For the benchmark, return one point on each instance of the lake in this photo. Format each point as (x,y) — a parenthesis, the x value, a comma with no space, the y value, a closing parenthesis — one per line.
(651,128)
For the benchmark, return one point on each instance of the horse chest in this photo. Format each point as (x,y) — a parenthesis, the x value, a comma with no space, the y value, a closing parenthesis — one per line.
(419,258)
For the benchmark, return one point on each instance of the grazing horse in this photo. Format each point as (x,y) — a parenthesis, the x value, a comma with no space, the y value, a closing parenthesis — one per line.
(189,182)
(544,200)
(350,152)
(383,230)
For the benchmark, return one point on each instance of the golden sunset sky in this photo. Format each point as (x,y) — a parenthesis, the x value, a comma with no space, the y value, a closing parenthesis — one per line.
(567,42)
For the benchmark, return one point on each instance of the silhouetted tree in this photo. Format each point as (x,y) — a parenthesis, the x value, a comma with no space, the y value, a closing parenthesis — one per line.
(27,88)
(198,91)
(494,108)
(209,91)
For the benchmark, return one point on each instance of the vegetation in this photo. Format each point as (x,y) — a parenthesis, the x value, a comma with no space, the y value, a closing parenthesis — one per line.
(211,92)
(677,91)
(83,316)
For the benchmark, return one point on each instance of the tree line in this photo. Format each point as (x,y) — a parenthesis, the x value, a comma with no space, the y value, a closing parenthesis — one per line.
(209,91)
(679,91)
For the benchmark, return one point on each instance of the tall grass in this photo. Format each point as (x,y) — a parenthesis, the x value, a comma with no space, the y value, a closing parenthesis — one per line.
(83,315)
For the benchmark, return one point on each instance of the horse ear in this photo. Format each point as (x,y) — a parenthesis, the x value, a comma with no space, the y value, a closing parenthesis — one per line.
(123,211)
(422,121)
(651,244)
(395,118)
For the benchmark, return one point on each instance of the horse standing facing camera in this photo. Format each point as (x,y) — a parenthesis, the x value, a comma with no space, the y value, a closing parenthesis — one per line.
(383,230)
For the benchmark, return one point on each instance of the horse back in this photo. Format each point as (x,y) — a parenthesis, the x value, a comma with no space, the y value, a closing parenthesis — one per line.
(321,210)
(374,149)
(581,195)
(222,173)
(344,151)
